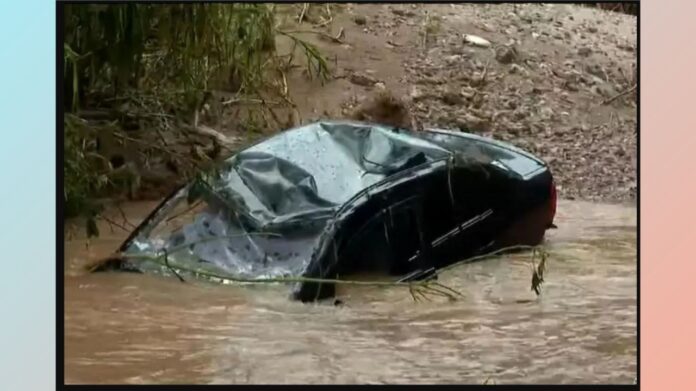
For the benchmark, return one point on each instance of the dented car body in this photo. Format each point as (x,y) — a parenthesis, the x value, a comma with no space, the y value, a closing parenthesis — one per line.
(332,198)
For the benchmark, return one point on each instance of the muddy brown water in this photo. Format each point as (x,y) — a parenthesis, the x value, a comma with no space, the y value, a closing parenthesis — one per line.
(126,328)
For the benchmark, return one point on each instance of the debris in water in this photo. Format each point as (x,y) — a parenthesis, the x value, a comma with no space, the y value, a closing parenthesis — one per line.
(538,273)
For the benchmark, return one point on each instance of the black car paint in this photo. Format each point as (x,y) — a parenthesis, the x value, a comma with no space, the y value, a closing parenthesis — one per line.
(422,216)
(440,205)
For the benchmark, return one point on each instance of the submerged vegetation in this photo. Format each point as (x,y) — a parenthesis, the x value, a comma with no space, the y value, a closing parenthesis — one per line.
(425,289)
(138,80)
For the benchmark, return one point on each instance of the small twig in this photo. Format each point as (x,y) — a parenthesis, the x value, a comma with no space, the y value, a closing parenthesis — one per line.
(275,116)
(446,288)
(325,22)
(248,101)
(321,33)
(289,102)
(628,91)
(339,36)
(161,137)
(412,291)
(291,55)
(623,75)
(113,223)
(471,101)
(480,84)
(485,72)
(285,83)
(606,75)
(420,293)
(123,216)
(219,137)
(330,19)
(437,292)
(166,262)
(538,271)
(305,7)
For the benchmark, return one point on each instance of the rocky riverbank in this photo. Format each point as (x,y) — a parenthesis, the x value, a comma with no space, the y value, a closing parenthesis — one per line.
(558,80)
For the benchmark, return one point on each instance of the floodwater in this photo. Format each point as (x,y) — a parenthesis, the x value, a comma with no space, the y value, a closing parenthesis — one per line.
(128,328)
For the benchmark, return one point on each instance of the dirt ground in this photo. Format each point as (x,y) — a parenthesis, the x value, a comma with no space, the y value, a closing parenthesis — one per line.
(557,80)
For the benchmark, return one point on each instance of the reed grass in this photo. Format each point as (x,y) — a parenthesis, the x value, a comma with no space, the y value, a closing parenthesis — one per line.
(157,63)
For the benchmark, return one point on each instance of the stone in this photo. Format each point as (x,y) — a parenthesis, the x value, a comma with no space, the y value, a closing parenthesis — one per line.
(584,51)
(362,80)
(360,20)
(506,54)
(452,98)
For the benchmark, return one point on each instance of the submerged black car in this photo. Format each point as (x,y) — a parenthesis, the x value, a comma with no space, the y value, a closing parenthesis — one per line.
(332,198)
